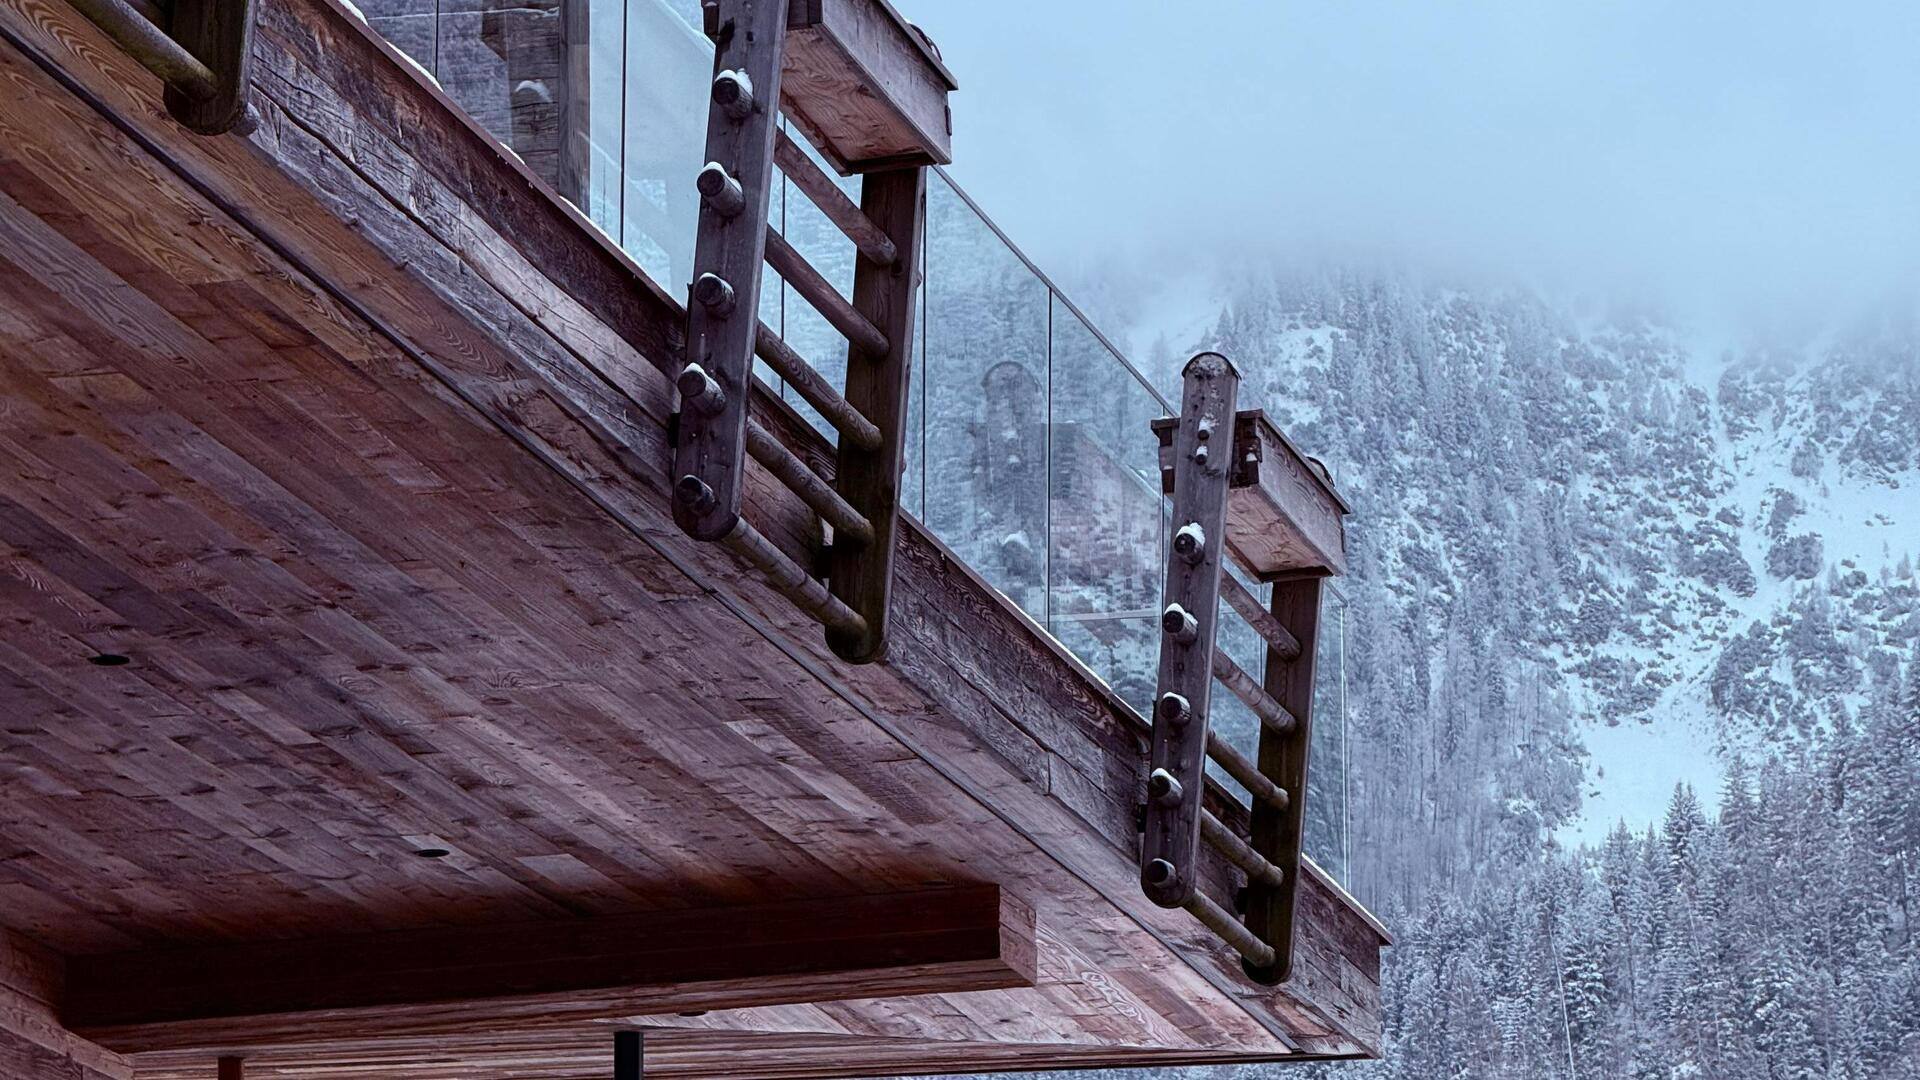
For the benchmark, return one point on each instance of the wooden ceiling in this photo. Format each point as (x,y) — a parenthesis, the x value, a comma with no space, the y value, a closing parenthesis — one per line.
(338,596)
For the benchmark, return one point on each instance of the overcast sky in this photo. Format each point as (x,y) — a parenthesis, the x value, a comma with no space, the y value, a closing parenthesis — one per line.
(1747,154)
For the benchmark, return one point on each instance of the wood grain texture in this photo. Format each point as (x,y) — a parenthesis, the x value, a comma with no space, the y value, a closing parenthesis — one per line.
(384,535)
(865,89)
(220,34)
(34,1045)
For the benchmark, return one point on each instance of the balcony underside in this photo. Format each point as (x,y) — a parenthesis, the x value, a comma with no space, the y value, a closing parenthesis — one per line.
(351,440)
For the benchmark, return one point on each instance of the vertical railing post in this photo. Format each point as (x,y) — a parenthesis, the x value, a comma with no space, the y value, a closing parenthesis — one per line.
(1202,445)
(220,34)
(629,1055)
(861,574)
(1277,831)
(723,310)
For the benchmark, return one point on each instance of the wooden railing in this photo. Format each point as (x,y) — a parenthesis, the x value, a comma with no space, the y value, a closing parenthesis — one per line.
(199,48)
(715,433)
(1286,530)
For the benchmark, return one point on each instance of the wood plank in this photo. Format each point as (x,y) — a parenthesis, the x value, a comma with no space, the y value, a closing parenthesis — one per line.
(1284,515)
(468,978)
(710,450)
(869,92)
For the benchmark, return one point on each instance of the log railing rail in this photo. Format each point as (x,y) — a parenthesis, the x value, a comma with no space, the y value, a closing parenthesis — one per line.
(714,434)
(199,48)
(1208,452)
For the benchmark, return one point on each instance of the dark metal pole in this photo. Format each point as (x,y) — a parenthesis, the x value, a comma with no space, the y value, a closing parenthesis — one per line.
(629,1055)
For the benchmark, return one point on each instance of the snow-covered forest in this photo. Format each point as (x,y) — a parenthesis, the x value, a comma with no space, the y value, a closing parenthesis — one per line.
(1604,573)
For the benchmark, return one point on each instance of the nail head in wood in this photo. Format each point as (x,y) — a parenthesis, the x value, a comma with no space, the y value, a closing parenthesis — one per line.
(720,190)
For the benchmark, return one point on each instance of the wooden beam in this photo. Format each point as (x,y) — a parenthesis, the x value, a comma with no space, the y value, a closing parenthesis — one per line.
(220,34)
(1277,830)
(710,453)
(867,339)
(866,87)
(842,211)
(528,975)
(33,1044)
(1283,513)
(1202,438)
(879,387)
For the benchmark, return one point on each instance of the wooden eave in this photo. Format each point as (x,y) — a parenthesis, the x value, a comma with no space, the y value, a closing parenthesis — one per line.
(369,300)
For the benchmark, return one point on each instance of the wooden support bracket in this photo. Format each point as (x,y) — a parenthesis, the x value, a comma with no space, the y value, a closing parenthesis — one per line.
(1255,498)
(555,973)
(203,53)
(714,434)
(878,387)
(1277,830)
(1202,440)
(710,449)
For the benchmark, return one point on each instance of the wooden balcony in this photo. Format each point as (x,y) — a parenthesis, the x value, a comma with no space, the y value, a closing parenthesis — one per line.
(363,711)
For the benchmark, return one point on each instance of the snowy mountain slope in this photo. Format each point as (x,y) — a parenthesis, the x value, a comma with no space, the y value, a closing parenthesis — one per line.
(1676,549)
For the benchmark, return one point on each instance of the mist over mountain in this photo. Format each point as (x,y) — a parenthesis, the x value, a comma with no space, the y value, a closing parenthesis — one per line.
(1633,668)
